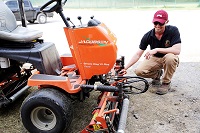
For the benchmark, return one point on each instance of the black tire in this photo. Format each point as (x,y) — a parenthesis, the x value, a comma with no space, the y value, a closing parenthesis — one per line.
(41,18)
(46,111)
(31,21)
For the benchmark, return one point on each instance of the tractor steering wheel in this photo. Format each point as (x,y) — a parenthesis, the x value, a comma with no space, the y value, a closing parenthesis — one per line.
(57,7)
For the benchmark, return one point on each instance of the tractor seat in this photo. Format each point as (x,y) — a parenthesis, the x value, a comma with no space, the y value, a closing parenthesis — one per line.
(9,30)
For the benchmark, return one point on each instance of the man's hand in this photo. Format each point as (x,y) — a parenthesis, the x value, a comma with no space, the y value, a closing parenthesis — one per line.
(122,72)
(150,53)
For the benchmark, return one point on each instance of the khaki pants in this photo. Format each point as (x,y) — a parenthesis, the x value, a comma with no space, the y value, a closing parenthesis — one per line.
(150,68)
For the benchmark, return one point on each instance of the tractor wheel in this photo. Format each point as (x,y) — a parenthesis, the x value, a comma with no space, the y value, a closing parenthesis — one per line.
(46,111)
(41,18)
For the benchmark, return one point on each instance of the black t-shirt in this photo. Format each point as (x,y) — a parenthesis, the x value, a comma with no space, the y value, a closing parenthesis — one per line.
(170,37)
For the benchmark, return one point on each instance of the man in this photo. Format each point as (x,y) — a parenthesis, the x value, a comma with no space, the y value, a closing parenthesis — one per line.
(165,46)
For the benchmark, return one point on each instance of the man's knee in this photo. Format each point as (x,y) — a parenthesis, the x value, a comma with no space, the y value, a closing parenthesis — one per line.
(138,72)
(171,59)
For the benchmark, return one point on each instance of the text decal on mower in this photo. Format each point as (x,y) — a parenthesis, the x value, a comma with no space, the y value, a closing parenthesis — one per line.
(99,42)
(88,41)
(88,65)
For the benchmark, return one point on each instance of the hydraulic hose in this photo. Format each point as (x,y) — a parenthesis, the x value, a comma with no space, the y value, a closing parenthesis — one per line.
(133,79)
(100,88)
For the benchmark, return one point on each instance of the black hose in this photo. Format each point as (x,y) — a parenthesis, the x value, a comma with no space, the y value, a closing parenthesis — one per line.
(100,88)
(124,85)
(134,79)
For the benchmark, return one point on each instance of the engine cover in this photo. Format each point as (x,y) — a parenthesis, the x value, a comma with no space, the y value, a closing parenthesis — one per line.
(43,56)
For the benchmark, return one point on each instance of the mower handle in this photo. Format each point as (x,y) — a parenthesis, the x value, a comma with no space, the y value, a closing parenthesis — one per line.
(57,7)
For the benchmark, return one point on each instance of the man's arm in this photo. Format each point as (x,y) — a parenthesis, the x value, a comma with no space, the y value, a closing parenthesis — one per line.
(134,59)
(175,49)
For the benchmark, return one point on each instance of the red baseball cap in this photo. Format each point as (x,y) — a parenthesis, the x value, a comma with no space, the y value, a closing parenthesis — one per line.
(160,16)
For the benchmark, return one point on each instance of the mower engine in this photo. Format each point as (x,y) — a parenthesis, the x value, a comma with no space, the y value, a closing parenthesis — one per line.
(7,69)
(12,78)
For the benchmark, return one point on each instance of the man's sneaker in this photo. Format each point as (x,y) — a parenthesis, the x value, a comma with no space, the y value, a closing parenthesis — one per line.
(163,89)
(155,84)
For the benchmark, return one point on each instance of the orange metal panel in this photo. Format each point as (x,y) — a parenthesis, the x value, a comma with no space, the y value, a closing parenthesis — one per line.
(66,60)
(66,84)
(93,48)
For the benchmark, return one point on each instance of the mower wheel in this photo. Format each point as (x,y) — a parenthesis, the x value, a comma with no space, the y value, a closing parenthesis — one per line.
(46,111)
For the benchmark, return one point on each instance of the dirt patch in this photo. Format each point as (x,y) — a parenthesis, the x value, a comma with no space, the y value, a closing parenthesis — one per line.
(178,111)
